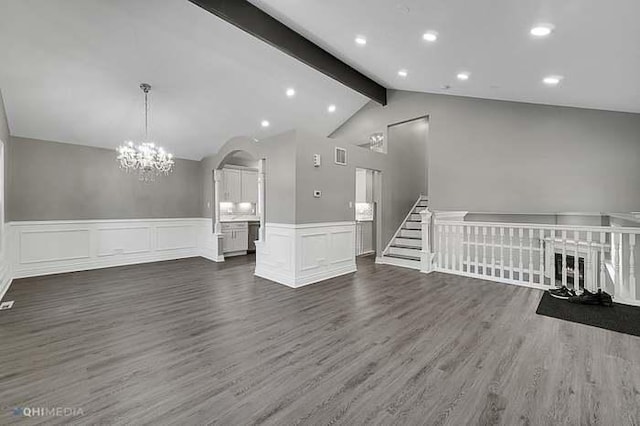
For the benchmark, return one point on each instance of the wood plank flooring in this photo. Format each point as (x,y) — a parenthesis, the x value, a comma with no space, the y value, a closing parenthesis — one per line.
(195,342)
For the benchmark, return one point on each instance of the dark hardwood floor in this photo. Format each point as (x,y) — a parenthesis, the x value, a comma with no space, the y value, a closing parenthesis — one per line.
(194,342)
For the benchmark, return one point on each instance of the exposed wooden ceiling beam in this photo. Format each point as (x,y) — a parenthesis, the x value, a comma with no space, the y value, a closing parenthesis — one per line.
(254,21)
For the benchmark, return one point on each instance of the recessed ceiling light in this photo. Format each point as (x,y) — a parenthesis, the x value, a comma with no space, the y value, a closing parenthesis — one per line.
(463,76)
(361,40)
(430,36)
(331,108)
(291,92)
(552,80)
(541,30)
(403,73)
(265,123)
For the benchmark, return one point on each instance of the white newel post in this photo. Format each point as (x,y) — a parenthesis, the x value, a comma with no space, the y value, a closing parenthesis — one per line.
(217,177)
(426,257)
(261,199)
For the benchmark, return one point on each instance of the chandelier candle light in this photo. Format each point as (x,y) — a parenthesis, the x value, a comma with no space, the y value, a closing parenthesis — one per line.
(146,159)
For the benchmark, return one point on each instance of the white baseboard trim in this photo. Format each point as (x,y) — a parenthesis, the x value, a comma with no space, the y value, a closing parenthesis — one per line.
(52,247)
(299,255)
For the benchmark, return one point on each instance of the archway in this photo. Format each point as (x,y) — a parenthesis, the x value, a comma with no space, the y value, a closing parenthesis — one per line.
(239,200)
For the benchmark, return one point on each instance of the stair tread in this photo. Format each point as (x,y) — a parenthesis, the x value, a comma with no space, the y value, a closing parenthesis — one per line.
(406,246)
(409,238)
(403,256)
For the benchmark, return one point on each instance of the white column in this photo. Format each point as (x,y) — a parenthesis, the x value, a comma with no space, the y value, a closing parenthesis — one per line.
(261,198)
(426,264)
(217,178)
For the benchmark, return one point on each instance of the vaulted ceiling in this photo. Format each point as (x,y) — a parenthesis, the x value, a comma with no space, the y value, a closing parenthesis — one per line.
(594,46)
(70,71)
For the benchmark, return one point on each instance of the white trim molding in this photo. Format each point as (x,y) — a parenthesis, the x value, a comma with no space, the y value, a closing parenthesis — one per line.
(300,254)
(51,247)
(453,216)
(6,275)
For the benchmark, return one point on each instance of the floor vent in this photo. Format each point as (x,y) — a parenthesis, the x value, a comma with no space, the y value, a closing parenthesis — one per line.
(6,305)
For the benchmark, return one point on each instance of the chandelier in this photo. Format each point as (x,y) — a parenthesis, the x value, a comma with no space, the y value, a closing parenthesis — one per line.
(146,159)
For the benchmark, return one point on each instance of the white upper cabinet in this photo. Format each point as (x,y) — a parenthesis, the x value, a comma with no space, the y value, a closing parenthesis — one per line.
(239,186)
(249,186)
(232,186)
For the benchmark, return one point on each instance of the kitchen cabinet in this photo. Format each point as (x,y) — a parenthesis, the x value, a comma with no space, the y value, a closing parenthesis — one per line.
(231,185)
(364,237)
(239,186)
(254,229)
(235,238)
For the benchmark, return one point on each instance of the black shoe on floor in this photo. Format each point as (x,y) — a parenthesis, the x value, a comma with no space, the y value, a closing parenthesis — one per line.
(605,298)
(587,298)
(562,293)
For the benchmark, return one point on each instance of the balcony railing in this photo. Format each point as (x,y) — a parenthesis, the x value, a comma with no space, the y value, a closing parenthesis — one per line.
(533,255)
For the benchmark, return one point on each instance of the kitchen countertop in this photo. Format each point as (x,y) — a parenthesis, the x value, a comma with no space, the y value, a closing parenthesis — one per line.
(239,219)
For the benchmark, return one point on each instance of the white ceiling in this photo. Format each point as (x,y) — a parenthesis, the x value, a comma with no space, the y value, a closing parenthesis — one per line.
(70,70)
(595,46)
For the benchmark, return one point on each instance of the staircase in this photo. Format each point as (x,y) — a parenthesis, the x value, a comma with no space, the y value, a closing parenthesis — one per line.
(406,245)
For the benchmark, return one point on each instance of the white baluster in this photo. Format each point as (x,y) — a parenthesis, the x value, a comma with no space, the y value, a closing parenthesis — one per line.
(446,245)
(552,256)
(502,262)
(484,250)
(440,248)
(632,266)
(619,274)
(564,258)
(520,264)
(461,257)
(511,243)
(588,284)
(530,256)
(576,263)
(454,247)
(603,241)
(541,243)
(493,251)
(468,249)
(476,247)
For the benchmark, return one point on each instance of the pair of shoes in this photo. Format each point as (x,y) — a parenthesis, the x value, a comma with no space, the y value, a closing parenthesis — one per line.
(562,293)
(598,298)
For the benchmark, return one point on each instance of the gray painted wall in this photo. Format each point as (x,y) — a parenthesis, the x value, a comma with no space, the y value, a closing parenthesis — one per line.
(55,181)
(291,177)
(508,157)
(403,171)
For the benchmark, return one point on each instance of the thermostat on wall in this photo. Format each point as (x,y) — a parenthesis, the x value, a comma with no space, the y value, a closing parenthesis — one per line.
(317,193)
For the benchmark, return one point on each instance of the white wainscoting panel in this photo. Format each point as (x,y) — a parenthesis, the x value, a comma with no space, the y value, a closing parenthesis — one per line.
(297,255)
(49,247)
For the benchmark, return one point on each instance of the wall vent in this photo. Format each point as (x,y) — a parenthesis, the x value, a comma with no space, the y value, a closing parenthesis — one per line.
(341,156)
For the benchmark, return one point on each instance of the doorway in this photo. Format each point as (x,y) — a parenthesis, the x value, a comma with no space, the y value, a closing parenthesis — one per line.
(239,205)
(367,211)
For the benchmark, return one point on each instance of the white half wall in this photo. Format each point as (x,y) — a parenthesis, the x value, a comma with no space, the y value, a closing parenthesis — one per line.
(50,247)
(298,255)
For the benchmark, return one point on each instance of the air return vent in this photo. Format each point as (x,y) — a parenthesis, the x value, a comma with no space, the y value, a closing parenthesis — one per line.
(341,156)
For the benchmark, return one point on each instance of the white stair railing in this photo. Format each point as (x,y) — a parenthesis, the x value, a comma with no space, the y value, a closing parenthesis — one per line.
(535,255)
